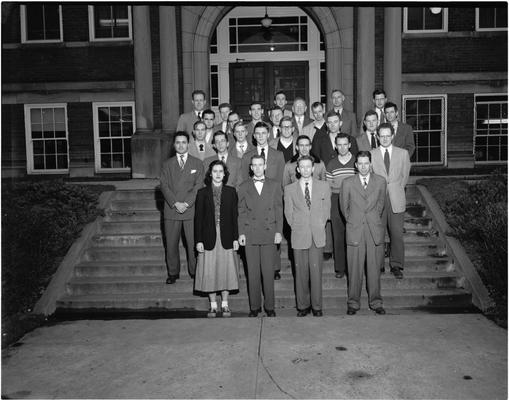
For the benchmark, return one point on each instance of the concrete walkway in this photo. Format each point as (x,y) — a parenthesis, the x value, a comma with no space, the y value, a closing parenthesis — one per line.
(410,356)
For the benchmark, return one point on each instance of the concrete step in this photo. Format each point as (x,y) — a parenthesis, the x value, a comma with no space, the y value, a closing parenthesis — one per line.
(332,299)
(145,268)
(137,285)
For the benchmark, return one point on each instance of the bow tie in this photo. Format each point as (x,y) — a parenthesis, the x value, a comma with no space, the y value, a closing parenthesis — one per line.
(259,180)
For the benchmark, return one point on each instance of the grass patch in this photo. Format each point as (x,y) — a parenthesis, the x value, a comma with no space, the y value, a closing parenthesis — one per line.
(477,214)
(40,221)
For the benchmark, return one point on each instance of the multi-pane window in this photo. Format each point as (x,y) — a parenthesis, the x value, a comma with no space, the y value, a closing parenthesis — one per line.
(113,127)
(46,138)
(491,18)
(284,34)
(110,22)
(424,19)
(41,22)
(323,83)
(426,115)
(490,127)
(214,85)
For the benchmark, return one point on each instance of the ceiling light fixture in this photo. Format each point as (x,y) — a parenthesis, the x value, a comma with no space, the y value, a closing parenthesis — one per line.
(266,21)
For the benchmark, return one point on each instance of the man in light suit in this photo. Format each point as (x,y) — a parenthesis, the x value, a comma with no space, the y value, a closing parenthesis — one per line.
(260,228)
(300,117)
(181,177)
(187,120)
(403,133)
(362,203)
(307,209)
(348,118)
(220,143)
(198,146)
(393,163)
(368,139)
(241,145)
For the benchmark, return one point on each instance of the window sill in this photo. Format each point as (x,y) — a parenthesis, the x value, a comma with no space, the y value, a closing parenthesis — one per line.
(469,34)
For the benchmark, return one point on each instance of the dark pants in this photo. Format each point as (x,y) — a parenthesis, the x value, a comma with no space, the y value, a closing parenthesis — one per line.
(172,231)
(260,271)
(308,274)
(338,235)
(394,223)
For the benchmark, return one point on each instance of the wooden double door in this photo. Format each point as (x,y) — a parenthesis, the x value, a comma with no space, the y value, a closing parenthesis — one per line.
(258,81)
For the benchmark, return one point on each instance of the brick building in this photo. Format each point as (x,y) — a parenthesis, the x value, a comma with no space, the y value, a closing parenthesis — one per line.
(89,90)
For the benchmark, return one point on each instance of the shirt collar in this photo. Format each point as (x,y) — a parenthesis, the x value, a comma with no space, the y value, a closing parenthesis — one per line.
(364,177)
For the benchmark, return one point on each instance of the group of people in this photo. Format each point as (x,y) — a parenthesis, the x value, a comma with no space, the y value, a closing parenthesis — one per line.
(241,187)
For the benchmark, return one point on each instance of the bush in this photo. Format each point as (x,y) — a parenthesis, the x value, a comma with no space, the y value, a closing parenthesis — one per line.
(40,221)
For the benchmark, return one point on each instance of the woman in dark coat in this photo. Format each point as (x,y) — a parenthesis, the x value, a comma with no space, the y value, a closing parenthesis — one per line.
(216,234)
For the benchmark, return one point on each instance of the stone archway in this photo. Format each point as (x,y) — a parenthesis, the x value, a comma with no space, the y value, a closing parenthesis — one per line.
(336,24)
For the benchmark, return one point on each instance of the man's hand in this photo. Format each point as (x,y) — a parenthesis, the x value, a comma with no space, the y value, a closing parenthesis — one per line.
(199,247)
(242,240)
(181,207)
(235,245)
(277,238)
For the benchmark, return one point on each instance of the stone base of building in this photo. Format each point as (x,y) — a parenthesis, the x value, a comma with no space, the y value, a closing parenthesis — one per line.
(460,160)
(148,152)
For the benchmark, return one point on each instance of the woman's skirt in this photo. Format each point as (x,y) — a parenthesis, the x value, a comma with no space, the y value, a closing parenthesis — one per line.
(217,269)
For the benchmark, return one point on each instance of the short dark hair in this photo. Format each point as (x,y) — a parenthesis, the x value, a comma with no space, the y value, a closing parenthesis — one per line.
(302,158)
(208,111)
(274,109)
(198,123)
(336,90)
(343,136)
(389,105)
(208,174)
(261,124)
(254,103)
(385,125)
(379,91)
(331,113)
(195,92)
(239,123)
(256,155)
(316,104)
(300,137)
(181,133)
(370,112)
(219,133)
(286,118)
(363,153)
(223,105)
(279,92)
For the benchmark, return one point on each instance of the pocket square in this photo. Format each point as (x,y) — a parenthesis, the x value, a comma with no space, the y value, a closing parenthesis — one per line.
(193,171)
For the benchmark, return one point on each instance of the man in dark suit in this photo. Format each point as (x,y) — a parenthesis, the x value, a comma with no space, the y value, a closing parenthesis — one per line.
(224,111)
(300,117)
(362,203)
(240,145)
(260,228)
(233,118)
(275,115)
(379,100)
(198,146)
(403,133)
(286,142)
(280,101)
(256,113)
(393,164)
(208,117)
(348,119)
(318,126)
(324,147)
(307,209)
(220,143)
(181,177)
(187,120)
(369,138)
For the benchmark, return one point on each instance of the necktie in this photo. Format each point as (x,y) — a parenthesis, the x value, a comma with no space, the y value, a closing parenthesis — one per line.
(222,158)
(259,180)
(181,162)
(201,147)
(387,161)
(373,140)
(199,115)
(263,153)
(307,197)
(242,148)
(300,122)
(365,183)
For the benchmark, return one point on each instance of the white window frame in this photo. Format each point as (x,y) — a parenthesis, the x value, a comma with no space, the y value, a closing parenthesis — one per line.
(445,22)
(444,119)
(29,140)
(479,29)
(91,26)
(97,142)
(23,21)
(476,96)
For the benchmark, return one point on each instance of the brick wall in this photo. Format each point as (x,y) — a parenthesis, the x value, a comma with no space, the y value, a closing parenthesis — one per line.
(13,136)
(461,19)
(460,120)
(11,28)
(75,22)
(63,64)
(81,133)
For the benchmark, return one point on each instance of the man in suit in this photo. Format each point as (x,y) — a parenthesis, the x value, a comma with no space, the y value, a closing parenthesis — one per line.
(300,118)
(208,117)
(220,144)
(379,100)
(260,228)
(224,111)
(240,145)
(348,119)
(256,113)
(280,102)
(275,115)
(318,126)
(198,147)
(393,164)
(285,143)
(181,177)
(303,147)
(368,139)
(403,133)
(307,209)
(324,146)
(187,120)
(362,203)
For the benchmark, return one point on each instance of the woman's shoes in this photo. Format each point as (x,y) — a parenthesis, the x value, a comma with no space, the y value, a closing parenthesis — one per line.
(212,313)
(226,312)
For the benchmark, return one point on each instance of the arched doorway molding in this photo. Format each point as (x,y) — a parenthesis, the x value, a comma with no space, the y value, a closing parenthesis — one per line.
(336,24)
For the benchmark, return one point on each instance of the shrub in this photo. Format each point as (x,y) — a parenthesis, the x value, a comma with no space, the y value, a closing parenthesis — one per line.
(40,221)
